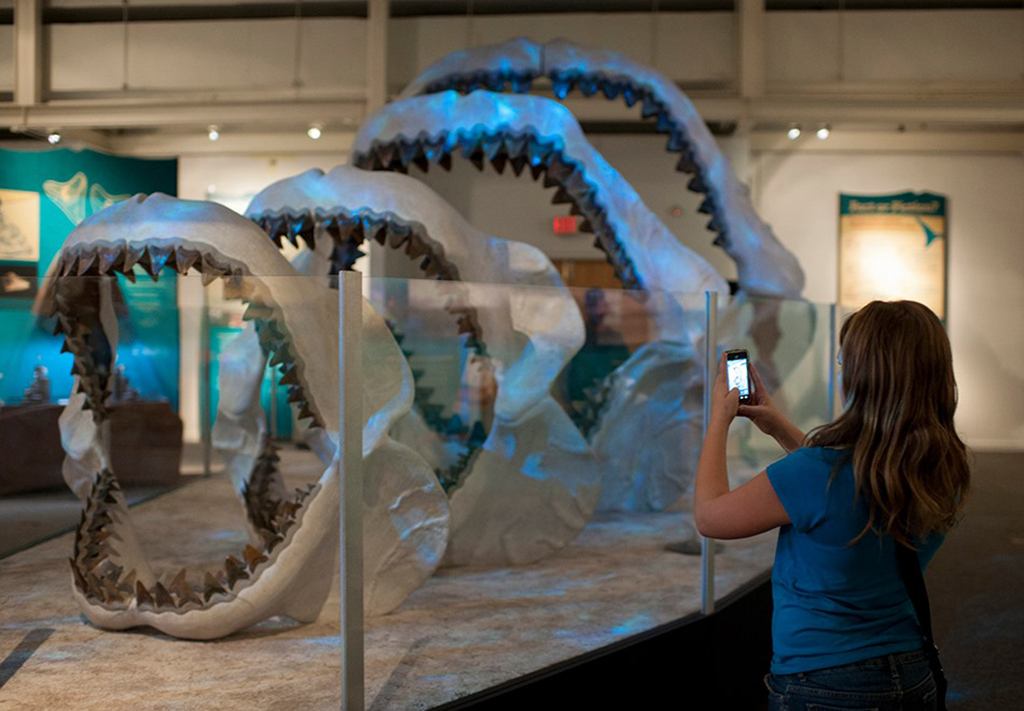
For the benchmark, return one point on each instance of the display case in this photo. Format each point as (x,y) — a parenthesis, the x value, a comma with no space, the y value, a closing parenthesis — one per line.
(504,472)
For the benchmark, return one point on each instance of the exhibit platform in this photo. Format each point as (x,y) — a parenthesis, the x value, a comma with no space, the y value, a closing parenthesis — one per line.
(466,636)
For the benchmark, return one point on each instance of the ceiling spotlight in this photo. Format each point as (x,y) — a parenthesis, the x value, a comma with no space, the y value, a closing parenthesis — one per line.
(824,132)
(213,132)
(793,133)
(315,131)
(53,138)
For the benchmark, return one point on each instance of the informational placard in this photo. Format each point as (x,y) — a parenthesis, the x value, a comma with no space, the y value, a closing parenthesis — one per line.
(893,247)
(19,243)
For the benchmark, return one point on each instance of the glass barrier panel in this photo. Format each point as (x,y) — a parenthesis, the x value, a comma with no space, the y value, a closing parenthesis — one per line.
(36,375)
(561,428)
(789,343)
(528,454)
(230,556)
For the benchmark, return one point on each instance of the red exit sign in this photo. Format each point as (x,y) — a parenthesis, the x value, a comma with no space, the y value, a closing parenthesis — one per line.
(565,225)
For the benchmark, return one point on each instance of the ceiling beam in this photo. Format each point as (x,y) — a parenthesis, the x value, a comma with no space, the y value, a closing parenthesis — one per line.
(165,113)
(295,142)
(273,113)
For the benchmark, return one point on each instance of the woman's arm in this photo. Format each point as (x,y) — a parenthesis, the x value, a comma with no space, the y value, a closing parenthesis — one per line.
(720,513)
(768,418)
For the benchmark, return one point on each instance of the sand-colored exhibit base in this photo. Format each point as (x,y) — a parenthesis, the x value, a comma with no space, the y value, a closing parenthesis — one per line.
(462,632)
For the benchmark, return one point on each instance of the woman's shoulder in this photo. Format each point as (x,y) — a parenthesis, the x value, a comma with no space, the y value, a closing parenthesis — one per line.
(830,454)
(825,455)
(823,461)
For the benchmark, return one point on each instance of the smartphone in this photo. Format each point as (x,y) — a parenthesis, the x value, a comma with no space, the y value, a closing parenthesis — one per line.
(738,372)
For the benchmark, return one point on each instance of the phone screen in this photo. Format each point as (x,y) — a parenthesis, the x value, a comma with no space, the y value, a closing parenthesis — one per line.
(736,370)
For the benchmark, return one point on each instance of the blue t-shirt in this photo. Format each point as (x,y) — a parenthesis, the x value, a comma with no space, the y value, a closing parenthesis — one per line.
(834,603)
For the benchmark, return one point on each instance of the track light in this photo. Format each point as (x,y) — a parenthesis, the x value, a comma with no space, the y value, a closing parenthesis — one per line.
(53,138)
(315,131)
(794,132)
(213,133)
(824,132)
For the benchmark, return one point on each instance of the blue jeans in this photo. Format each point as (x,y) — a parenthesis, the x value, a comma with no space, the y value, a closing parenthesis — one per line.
(894,682)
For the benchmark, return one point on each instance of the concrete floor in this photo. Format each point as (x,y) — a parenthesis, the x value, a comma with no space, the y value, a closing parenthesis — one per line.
(976,588)
(465,630)
(30,518)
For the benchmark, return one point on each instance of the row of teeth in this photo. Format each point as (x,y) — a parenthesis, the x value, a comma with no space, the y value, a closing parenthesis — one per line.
(76,308)
(518,83)
(433,415)
(519,150)
(104,582)
(348,232)
(104,260)
(78,318)
(612,87)
(269,515)
(353,230)
(276,346)
(77,315)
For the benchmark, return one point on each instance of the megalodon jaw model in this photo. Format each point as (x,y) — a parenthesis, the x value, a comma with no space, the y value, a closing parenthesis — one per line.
(289,567)
(540,134)
(637,478)
(764,266)
(529,132)
(533,484)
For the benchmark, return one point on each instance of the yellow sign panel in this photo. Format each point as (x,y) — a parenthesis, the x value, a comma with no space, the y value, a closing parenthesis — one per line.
(893,247)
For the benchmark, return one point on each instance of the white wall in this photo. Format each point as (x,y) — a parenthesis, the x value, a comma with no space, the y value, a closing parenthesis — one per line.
(869,50)
(690,47)
(881,48)
(799,194)
(204,55)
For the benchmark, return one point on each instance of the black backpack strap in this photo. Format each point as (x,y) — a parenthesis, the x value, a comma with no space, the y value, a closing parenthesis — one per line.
(913,579)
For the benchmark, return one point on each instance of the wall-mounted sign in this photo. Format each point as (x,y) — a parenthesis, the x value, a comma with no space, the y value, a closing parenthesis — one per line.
(893,247)
(19,243)
(19,226)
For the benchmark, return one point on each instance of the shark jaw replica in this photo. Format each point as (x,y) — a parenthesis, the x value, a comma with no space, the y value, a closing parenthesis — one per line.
(765,267)
(521,131)
(430,122)
(528,130)
(532,485)
(290,564)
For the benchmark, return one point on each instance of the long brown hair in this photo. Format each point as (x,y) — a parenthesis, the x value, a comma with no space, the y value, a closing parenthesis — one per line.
(909,464)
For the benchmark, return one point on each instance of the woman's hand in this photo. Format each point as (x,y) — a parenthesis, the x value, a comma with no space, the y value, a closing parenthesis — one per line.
(724,402)
(718,512)
(768,418)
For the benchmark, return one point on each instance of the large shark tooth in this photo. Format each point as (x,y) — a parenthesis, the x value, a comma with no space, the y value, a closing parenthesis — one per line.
(211,587)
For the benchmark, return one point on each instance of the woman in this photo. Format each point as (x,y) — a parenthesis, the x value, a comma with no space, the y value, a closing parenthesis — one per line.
(889,469)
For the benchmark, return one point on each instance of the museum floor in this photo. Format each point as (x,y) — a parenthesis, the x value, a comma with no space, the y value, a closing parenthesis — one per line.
(466,629)
(463,631)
